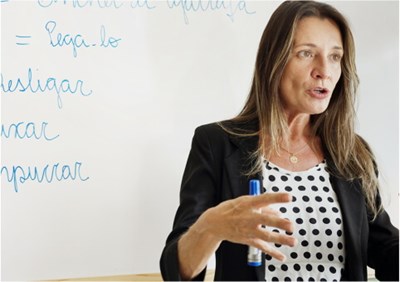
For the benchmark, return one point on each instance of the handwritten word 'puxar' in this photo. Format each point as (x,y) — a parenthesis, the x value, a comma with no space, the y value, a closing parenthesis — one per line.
(49,173)
(76,41)
(27,130)
(48,85)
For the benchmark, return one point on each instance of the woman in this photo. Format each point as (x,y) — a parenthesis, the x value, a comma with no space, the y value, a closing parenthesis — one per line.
(320,217)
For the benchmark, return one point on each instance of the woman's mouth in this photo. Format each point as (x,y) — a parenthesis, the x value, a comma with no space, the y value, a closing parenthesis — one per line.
(319,92)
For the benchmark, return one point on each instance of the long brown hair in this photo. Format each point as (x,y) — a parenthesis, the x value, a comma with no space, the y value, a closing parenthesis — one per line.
(335,127)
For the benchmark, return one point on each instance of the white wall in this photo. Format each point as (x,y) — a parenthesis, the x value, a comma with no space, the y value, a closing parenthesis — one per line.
(170,71)
(376,30)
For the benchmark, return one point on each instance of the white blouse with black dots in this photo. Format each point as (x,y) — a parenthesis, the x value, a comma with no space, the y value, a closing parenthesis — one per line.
(314,210)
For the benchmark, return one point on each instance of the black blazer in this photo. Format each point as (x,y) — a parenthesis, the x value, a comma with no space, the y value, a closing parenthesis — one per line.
(213,174)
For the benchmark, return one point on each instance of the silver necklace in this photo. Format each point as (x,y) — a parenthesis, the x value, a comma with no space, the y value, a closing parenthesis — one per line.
(292,156)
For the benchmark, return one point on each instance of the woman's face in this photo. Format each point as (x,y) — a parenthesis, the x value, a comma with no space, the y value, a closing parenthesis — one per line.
(313,69)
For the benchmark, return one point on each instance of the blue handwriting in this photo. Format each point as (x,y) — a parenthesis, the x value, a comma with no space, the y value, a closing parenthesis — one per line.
(77,41)
(27,130)
(107,41)
(82,3)
(103,4)
(22,40)
(142,4)
(49,173)
(230,7)
(51,84)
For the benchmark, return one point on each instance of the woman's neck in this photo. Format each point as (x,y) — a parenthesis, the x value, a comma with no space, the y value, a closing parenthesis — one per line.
(299,130)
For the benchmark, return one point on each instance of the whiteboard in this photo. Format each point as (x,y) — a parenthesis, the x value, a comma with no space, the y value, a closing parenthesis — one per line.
(99,102)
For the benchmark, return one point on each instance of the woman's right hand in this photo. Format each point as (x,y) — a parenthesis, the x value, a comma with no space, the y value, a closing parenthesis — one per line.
(241,220)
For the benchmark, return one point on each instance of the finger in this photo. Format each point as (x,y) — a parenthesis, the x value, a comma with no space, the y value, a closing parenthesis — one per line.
(269,249)
(273,252)
(274,221)
(267,199)
(270,211)
(276,238)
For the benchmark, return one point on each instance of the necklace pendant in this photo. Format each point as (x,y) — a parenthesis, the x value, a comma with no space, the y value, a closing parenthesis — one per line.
(293,159)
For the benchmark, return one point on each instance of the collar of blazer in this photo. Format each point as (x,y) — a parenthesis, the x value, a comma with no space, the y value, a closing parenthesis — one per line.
(246,138)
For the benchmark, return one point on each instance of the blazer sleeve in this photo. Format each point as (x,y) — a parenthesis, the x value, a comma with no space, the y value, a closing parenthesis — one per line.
(383,241)
(383,248)
(197,194)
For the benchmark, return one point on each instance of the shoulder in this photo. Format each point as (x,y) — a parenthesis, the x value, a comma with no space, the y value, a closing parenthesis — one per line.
(212,135)
(227,136)
(210,129)
(231,130)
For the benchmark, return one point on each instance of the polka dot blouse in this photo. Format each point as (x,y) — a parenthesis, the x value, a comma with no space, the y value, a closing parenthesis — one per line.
(319,253)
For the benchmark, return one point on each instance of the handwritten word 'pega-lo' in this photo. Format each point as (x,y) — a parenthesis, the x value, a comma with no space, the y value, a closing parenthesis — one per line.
(76,41)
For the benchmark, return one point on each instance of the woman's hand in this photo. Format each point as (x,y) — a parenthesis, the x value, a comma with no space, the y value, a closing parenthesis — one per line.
(241,220)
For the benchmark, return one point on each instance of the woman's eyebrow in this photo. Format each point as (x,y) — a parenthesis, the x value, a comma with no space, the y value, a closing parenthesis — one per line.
(312,45)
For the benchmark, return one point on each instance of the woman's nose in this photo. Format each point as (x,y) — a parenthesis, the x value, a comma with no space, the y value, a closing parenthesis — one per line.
(321,70)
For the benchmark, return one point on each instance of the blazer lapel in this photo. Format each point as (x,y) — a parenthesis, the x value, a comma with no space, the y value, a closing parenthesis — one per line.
(352,207)
(238,164)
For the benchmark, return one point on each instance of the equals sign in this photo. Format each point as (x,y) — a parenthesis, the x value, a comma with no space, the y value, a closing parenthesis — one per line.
(22,40)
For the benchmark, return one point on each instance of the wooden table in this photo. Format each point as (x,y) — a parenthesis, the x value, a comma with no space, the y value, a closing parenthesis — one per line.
(157,277)
(131,277)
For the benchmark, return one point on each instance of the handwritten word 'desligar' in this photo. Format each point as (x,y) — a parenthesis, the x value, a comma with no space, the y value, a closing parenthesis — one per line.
(76,41)
(230,7)
(48,173)
(27,130)
(55,85)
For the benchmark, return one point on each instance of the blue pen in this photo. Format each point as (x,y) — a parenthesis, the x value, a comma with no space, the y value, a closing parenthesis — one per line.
(254,254)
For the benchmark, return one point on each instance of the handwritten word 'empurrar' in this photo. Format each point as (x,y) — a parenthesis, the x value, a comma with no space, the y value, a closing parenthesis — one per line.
(27,130)
(47,174)
(77,41)
(230,7)
(51,84)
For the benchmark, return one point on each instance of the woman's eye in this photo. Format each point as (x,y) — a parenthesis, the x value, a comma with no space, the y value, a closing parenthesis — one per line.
(336,57)
(305,54)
